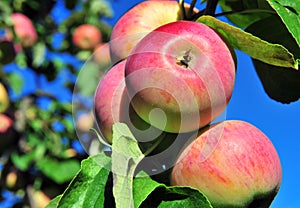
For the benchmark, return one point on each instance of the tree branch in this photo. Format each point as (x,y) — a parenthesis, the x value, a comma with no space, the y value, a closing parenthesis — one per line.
(211,7)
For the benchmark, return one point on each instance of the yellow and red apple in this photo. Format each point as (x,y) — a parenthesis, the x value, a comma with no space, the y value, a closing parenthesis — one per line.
(233,163)
(186,70)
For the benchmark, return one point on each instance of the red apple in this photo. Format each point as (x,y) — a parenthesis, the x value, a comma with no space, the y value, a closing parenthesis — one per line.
(86,36)
(5,123)
(24,29)
(139,21)
(233,163)
(183,68)
(7,132)
(112,105)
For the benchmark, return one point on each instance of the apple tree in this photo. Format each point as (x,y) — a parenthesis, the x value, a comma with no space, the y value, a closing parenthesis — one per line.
(143,95)
(39,63)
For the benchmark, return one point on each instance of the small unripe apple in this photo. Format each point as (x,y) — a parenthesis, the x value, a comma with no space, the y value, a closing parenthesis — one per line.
(4,99)
(11,179)
(183,68)
(233,163)
(138,22)
(24,29)
(86,36)
(112,105)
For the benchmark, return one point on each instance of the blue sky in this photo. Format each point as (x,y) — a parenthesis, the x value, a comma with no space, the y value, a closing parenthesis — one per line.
(249,102)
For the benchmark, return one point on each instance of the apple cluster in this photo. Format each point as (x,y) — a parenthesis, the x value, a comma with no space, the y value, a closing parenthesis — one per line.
(7,132)
(172,77)
(21,34)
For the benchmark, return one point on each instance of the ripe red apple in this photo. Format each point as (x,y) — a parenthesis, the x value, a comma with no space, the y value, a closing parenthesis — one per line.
(101,55)
(183,68)
(139,21)
(112,105)
(5,123)
(86,36)
(233,163)
(4,99)
(24,29)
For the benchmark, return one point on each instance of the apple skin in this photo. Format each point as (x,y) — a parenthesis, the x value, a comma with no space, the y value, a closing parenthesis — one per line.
(4,99)
(86,36)
(191,95)
(112,105)
(138,22)
(24,29)
(233,163)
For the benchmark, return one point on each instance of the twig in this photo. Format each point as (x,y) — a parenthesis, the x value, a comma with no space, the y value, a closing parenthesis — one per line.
(211,7)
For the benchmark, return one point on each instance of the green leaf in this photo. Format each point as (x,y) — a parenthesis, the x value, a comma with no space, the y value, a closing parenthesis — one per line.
(245,12)
(189,198)
(149,193)
(88,187)
(143,186)
(126,155)
(59,171)
(23,162)
(16,82)
(39,52)
(273,54)
(289,12)
(279,83)
(54,202)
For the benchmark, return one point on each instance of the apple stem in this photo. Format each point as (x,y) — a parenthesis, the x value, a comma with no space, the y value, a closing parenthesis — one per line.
(148,151)
(185,59)
(211,7)
(191,9)
(181,2)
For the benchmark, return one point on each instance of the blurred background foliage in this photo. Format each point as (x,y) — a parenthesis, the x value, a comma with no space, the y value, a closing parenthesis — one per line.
(39,150)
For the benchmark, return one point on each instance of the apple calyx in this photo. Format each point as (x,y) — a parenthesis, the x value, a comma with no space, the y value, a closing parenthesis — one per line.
(185,59)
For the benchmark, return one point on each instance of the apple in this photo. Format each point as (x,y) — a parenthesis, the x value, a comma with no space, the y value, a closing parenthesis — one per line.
(4,99)
(101,55)
(5,124)
(184,69)
(86,36)
(233,163)
(112,105)
(85,122)
(7,132)
(24,29)
(139,21)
